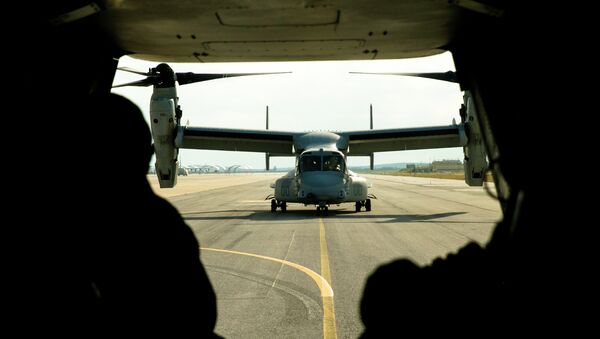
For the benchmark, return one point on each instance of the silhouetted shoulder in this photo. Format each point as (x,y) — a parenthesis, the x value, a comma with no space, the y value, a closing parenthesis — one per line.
(147,269)
(403,299)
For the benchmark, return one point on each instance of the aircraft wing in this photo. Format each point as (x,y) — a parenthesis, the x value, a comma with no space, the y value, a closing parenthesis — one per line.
(275,143)
(364,143)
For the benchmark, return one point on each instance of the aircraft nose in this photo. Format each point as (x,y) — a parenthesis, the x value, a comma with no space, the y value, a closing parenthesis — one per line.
(322,186)
(322,179)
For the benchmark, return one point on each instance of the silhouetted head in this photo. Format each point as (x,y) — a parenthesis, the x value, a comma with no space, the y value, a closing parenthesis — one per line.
(121,138)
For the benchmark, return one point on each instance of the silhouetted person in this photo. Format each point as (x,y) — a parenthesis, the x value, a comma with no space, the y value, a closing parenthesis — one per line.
(97,253)
(526,280)
(446,298)
(143,261)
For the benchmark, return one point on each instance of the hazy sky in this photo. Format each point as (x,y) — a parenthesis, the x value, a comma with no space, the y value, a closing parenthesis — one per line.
(315,96)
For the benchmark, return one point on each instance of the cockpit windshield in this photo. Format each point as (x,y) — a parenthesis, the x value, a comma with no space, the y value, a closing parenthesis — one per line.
(329,163)
(310,163)
(333,163)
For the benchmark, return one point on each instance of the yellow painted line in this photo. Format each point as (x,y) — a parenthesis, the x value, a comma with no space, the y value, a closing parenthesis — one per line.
(322,281)
(324,254)
(323,285)
(329,330)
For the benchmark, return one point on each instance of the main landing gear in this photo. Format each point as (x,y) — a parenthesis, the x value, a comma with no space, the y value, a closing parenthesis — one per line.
(280,204)
(366,204)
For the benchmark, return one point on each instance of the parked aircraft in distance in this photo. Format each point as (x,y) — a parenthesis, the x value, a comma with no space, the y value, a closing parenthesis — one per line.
(321,176)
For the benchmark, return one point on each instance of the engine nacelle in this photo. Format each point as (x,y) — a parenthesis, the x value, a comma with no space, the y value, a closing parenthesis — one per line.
(475,163)
(286,189)
(358,188)
(163,124)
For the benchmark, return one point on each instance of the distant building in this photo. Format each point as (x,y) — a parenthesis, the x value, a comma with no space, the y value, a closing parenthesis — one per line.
(418,168)
(447,166)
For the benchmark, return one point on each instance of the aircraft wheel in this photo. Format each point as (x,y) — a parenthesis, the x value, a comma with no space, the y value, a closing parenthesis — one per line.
(273,205)
(283,206)
(357,206)
(368,205)
(325,211)
(318,210)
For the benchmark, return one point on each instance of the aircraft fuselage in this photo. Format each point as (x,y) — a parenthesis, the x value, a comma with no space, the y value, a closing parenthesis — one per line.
(321,178)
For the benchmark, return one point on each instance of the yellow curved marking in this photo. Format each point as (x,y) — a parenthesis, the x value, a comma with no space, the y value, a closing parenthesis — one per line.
(329,330)
(323,285)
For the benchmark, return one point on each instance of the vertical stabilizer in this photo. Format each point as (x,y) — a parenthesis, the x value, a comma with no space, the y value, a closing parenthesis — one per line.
(267,117)
(371,114)
(267,157)
(372,155)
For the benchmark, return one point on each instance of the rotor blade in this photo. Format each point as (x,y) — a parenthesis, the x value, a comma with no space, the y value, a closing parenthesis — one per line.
(140,83)
(153,77)
(189,77)
(131,70)
(449,76)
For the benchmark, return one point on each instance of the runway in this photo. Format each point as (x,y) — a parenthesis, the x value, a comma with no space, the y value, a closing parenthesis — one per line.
(297,275)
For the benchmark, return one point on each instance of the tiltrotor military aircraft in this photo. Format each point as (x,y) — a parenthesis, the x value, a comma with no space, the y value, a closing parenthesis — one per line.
(321,176)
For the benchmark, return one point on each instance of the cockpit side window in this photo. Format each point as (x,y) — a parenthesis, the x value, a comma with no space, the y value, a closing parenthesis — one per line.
(333,163)
(310,163)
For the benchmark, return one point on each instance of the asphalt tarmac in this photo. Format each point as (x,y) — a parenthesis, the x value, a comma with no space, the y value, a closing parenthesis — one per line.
(298,275)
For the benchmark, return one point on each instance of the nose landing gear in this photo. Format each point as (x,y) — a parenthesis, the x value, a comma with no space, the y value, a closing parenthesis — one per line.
(360,204)
(322,210)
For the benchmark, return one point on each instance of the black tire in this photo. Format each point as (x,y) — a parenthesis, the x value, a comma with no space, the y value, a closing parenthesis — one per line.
(368,205)
(273,206)
(357,206)
(283,207)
